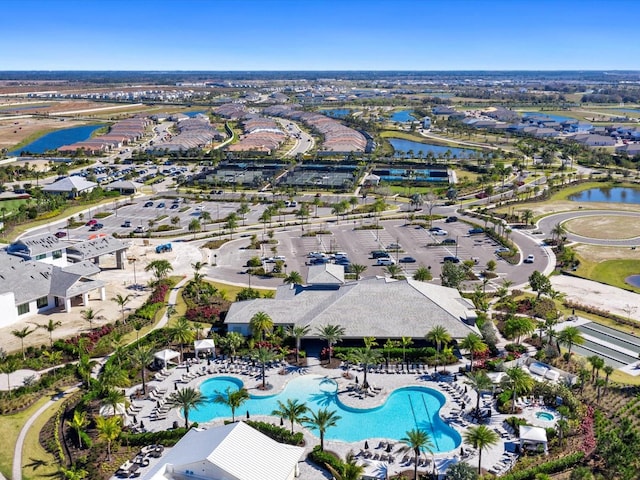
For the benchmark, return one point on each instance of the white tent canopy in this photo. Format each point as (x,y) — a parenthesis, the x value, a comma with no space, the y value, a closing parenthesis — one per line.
(207,345)
(533,436)
(166,355)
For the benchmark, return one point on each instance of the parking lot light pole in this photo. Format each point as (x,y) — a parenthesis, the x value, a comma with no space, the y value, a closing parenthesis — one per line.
(456,246)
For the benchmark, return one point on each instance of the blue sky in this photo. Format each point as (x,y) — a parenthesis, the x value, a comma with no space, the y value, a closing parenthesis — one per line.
(319,35)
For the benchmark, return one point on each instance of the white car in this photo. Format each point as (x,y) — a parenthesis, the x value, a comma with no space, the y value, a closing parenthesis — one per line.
(442,233)
(529,259)
(316,255)
(386,261)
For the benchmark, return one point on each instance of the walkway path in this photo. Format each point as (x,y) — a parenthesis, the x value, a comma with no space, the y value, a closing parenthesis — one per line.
(17,453)
(16,473)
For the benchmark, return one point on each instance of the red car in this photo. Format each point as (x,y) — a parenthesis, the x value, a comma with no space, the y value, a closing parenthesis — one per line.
(91,222)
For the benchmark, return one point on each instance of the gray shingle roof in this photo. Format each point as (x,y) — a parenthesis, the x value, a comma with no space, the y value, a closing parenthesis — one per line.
(68,184)
(27,280)
(329,273)
(38,244)
(93,248)
(371,307)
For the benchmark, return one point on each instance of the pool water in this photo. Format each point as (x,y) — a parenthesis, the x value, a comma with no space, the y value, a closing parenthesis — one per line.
(549,417)
(405,409)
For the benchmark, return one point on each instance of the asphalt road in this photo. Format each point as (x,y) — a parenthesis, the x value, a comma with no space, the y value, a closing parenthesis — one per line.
(546,224)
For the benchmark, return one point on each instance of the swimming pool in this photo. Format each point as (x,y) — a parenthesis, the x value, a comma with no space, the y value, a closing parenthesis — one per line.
(405,409)
(549,417)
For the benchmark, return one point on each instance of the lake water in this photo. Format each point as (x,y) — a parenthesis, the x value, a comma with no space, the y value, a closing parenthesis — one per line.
(18,108)
(628,110)
(193,114)
(557,118)
(403,116)
(401,146)
(336,112)
(608,195)
(57,139)
(633,280)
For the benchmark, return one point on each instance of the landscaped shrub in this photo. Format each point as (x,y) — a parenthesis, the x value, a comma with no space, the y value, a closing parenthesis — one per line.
(164,437)
(278,434)
(553,466)
(322,459)
(204,313)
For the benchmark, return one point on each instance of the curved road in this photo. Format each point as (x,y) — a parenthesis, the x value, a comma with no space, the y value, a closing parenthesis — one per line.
(546,224)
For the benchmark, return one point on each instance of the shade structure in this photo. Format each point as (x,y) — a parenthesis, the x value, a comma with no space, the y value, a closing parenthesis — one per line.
(207,345)
(166,355)
(532,437)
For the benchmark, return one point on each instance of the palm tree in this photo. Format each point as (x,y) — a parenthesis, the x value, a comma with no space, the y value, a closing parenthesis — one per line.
(570,336)
(597,364)
(187,399)
(293,278)
(122,301)
(109,429)
(416,441)
(298,332)
(89,315)
(480,382)
(358,269)
(78,423)
(365,357)
(558,231)
(481,437)
(160,268)
(349,469)
(439,336)
(22,334)
(232,399)
(8,365)
(393,271)
(608,370)
(332,334)
(422,274)
(50,327)
(194,226)
(474,344)
(405,342)
(182,333)
(233,341)
(113,397)
(142,355)
(322,420)
(264,356)
(113,375)
(260,325)
(292,411)
(520,382)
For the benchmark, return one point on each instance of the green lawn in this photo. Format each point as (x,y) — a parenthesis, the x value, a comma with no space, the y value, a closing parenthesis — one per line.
(10,425)
(613,272)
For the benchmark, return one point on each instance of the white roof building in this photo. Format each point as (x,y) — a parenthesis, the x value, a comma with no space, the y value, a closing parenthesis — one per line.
(231,452)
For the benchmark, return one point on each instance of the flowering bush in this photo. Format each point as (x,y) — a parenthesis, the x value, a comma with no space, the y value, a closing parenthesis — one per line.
(586,427)
(204,313)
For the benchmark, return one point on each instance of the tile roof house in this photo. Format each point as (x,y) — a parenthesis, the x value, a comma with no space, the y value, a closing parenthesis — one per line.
(376,307)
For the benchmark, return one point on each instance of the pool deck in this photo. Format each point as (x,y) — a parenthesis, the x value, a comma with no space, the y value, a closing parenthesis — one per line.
(385,383)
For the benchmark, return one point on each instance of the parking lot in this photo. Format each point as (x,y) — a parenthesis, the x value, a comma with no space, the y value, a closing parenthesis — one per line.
(424,246)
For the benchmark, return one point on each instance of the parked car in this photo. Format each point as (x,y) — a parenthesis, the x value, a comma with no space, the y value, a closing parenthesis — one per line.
(476,230)
(148,204)
(174,206)
(449,241)
(435,229)
(140,229)
(501,250)
(451,219)
(440,233)
(451,259)
(394,246)
(379,254)
(126,224)
(60,234)
(316,255)
(96,226)
(530,259)
(386,261)
(160,205)
(318,261)
(91,222)
(407,260)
